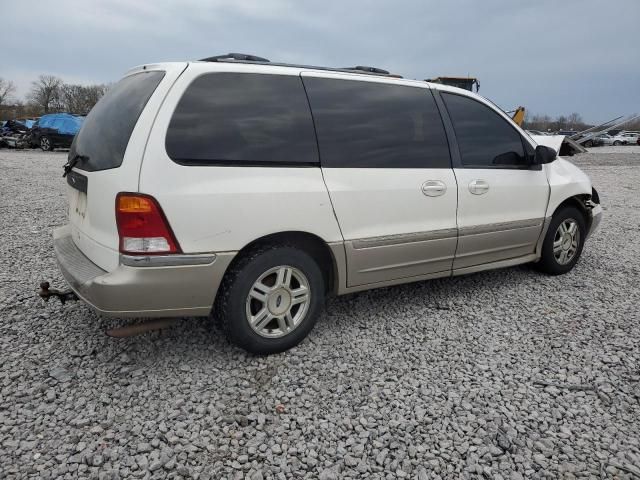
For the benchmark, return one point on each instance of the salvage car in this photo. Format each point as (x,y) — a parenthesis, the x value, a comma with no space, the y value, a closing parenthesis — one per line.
(55,130)
(14,134)
(594,141)
(252,189)
(629,138)
(605,139)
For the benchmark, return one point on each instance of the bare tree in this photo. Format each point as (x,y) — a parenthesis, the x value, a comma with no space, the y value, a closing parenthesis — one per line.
(546,123)
(80,98)
(575,122)
(559,123)
(45,93)
(7,89)
(537,122)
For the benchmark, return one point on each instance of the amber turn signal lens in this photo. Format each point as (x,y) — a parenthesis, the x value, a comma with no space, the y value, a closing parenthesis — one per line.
(134,204)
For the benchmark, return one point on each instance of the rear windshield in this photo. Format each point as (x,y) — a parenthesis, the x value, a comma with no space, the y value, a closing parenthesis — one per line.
(105,133)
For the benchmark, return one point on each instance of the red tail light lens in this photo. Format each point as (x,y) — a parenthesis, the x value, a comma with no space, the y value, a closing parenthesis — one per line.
(142,226)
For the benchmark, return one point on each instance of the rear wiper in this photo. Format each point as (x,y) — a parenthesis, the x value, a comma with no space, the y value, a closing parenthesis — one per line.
(72,163)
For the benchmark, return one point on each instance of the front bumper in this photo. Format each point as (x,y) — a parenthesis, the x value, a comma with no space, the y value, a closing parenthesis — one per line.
(145,291)
(596,218)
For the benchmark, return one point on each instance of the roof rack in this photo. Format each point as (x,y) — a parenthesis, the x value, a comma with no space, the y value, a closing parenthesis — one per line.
(369,69)
(247,58)
(235,56)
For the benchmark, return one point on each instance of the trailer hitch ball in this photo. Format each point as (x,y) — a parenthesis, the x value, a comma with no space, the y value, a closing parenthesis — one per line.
(46,292)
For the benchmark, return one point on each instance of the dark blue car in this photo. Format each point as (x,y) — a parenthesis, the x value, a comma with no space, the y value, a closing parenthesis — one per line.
(55,130)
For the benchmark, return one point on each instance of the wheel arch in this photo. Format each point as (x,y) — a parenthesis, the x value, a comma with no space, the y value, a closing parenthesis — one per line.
(310,243)
(580,203)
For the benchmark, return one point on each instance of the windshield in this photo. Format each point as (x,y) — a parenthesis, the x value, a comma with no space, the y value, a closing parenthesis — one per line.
(105,133)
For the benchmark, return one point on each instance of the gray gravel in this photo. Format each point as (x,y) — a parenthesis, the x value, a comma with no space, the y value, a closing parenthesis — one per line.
(507,374)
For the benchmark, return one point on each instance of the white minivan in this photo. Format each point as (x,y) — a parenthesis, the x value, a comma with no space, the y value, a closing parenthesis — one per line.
(251,189)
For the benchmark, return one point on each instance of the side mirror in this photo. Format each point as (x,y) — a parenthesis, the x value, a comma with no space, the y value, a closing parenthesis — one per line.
(544,154)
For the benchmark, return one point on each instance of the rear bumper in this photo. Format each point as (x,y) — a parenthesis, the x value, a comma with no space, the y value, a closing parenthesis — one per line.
(145,291)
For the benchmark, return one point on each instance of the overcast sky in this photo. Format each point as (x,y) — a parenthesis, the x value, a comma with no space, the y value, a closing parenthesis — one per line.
(551,56)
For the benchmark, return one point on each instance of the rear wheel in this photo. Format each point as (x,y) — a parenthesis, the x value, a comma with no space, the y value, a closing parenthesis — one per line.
(563,242)
(617,143)
(270,300)
(588,143)
(46,144)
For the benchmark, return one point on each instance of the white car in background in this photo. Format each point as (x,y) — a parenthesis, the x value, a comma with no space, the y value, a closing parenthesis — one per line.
(622,138)
(605,139)
(253,189)
(627,138)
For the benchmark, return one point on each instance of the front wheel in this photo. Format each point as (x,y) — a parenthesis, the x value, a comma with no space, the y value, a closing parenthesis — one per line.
(617,143)
(46,144)
(563,242)
(270,299)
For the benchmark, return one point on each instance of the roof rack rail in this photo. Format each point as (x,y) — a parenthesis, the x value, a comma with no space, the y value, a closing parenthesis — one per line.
(246,58)
(372,70)
(235,56)
(369,69)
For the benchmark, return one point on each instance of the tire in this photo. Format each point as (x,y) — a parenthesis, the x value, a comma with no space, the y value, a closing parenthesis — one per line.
(588,144)
(617,143)
(556,263)
(272,307)
(46,144)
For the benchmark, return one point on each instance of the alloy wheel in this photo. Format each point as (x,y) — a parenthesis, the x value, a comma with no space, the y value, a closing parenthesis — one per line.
(278,301)
(566,241)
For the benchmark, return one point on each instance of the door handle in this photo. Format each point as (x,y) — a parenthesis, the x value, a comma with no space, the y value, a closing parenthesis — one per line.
(478,187)
(434,188)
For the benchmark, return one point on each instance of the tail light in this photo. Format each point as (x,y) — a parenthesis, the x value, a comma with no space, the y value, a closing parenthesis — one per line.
(142,226)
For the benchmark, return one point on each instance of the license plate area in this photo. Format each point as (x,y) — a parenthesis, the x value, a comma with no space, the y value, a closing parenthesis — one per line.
(77,197)
(77,206)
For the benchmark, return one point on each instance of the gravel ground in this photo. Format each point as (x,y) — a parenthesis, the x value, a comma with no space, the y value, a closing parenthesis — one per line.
(505,374)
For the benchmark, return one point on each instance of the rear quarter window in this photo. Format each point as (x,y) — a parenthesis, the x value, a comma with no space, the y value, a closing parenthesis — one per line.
(106,131)
(243,119)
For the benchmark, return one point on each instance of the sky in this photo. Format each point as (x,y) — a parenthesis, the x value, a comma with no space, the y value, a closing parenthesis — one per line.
(551,56)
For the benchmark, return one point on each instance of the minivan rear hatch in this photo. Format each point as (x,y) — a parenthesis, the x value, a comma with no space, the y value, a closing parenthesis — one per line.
(105,157)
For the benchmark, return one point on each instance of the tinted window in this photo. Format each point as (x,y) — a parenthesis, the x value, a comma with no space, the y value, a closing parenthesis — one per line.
(106,131)
(367,124)
(226,118)
(485,139)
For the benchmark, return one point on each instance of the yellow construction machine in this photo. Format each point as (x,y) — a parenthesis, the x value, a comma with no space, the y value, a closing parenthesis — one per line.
(468,83)
(518,115)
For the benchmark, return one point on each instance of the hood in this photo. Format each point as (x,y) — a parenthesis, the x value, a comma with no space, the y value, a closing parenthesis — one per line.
(557,141)
(553,141)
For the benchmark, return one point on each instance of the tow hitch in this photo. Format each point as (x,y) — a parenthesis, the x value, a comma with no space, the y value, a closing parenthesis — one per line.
(46,292)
